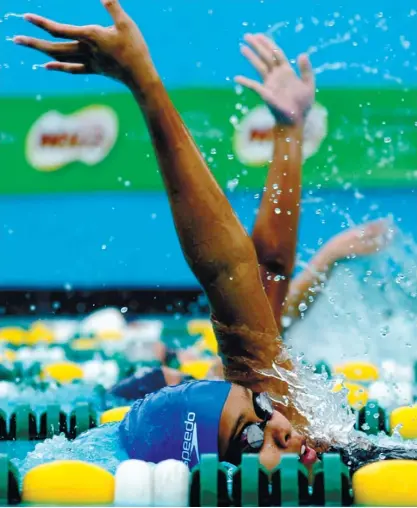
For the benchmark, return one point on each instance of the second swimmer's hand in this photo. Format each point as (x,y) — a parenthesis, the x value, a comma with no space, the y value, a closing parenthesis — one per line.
(288,96)
(362,240)
(118,51)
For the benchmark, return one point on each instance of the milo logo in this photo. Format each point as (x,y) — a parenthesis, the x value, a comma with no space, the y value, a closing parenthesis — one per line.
(87,136)
(253,139)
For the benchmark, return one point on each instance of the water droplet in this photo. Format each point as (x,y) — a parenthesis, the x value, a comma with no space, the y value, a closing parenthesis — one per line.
(103,247)
(123,310)
(302,307)
(232,184)
(277,211)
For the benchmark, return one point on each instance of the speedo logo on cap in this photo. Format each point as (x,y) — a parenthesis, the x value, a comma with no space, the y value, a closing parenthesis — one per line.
(190,441)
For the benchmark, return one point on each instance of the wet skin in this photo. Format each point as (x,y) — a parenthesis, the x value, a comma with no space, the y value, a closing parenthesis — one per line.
(279,436)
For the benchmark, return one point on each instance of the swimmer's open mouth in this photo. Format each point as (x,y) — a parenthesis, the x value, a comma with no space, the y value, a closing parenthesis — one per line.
(308,456)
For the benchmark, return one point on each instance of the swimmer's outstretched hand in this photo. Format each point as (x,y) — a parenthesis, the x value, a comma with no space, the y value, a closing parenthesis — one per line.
(288,96)
(361,240)
(118,51)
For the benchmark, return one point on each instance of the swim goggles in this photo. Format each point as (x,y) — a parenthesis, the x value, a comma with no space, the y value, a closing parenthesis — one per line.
(252,436)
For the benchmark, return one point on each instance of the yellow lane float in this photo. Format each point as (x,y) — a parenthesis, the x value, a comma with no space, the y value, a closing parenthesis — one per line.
(198,368)
(114,415)
(63,372)
(386,483)
(404,420)
(357,395)
(68,482)
(13,335)
(204,328)
(362,372)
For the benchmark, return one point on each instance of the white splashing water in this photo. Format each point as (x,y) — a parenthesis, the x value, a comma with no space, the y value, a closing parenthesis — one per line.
(330,419)
(13,15)
(368,310)
(100,446)
(363,297)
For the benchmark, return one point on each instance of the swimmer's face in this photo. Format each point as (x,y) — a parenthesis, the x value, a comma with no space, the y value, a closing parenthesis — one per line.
(279,437)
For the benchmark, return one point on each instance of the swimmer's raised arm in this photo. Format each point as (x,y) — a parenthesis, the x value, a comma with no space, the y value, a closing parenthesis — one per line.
(214,243)
(289,98)
(363,240)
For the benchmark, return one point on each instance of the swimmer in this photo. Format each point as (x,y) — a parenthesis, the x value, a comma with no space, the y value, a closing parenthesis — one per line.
(225,417)
(363,240)
(274,235)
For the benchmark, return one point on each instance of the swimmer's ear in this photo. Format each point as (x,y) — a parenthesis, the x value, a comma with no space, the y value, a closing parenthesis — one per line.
(116,12)
(306,69)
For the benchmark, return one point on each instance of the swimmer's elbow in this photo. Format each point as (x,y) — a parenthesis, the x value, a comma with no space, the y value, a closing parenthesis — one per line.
(228,261)
(276,258)
(277,264)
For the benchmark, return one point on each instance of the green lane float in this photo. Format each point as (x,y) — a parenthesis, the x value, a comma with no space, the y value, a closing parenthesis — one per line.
(371,419)
(9,483)
(331,484)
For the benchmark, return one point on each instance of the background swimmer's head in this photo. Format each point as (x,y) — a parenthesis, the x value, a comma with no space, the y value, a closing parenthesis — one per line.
(360,452)
(185,421)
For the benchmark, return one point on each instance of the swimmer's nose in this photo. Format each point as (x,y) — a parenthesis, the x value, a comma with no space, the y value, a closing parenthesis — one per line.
(284,434)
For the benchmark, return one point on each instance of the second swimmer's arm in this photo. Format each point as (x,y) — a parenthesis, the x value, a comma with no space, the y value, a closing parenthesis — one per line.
(358,241)
(276,226)
(289,98)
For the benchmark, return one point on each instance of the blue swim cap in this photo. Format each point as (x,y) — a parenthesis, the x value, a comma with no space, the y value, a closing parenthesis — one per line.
(177,422)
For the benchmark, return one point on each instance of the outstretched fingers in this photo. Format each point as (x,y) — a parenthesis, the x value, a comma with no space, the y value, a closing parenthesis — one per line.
(61,30)
(252,84)
(279,56)
(54,49)
(70,68)
(257,45)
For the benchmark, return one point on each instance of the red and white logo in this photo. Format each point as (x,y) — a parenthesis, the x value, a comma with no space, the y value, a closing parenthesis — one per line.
(87,136)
